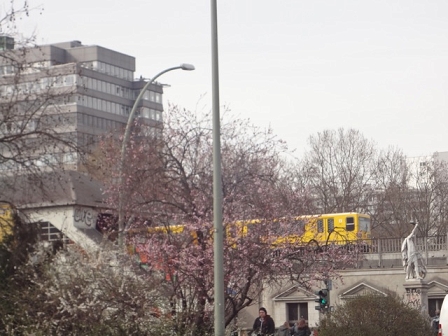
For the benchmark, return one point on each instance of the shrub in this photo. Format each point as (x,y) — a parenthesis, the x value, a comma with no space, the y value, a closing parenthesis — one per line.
(373,315)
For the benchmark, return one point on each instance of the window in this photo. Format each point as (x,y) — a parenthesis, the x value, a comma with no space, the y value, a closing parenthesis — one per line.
(433,305)
(69,80)
(252,230)
(70,157)
(32,125)
(89,101)
(146,112)
(330,223)
(364,224)
(320,225)
(51,233)
(300,225)
(297,310)
(350,224)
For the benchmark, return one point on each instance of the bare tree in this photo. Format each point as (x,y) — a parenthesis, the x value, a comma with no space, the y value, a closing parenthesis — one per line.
(411,190)
(392,200)
(345,172)
(37,123)
(339,170)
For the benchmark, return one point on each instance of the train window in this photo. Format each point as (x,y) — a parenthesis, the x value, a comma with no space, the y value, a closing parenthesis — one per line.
(300,225)
(276,228)
(350,224)
(234,231)
(330,223)
(364,224)
(320,225)
(254,229)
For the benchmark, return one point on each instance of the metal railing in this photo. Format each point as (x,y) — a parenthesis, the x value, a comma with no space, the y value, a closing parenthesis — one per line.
(393,245)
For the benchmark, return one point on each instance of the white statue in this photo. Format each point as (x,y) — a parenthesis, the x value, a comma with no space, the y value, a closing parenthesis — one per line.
(413,262)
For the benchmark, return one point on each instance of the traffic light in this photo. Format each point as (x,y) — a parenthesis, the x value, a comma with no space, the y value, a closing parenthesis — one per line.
(322,300)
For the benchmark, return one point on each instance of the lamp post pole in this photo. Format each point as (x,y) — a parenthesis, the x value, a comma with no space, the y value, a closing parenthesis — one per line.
(218,239)
(124,144)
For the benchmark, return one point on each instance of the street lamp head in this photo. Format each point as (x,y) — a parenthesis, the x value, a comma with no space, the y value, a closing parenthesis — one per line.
(186,66)
(412,222)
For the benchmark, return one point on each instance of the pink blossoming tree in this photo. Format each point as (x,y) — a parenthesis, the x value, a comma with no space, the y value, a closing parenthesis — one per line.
(168,181)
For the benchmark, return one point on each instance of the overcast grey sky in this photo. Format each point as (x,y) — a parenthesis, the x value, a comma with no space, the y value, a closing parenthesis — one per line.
(300,66)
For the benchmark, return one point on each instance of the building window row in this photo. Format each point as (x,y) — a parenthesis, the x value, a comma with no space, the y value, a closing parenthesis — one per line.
(71,80)
(40,84)
(118,90)
(97,122)
(149,131)
(106,87)
(148,113)
(25,68)
(109,69)
(115,108)
(18,127)
(103,105)
(42,161)
(56,158)
(151,96)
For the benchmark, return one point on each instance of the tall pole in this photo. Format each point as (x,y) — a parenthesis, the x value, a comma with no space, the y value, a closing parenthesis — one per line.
(124,145)
(218,237)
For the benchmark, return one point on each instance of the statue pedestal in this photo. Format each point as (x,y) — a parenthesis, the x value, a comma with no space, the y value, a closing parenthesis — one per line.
(416,294)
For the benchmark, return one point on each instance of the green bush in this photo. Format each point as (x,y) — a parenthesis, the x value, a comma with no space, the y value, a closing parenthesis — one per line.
(374,315)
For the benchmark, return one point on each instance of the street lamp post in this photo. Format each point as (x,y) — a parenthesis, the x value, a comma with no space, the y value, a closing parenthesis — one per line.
(218,237)
(127,132)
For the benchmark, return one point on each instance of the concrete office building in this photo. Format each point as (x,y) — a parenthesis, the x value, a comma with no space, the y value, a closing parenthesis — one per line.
(78,92)
(96,89)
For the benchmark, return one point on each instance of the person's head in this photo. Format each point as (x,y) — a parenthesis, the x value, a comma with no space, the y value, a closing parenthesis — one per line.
(262,312)
(286,324)
(301,322)
(437,312)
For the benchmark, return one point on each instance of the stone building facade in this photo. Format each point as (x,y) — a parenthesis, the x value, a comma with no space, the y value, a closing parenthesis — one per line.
(290,302)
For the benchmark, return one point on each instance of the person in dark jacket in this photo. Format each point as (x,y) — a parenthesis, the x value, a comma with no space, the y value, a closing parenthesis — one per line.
(264,324)
(435,323)
(301,328)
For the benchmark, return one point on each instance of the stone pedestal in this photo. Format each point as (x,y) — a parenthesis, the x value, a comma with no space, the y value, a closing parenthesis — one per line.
(416,294)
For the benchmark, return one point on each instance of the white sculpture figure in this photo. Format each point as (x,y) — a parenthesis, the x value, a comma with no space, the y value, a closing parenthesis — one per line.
(413,262)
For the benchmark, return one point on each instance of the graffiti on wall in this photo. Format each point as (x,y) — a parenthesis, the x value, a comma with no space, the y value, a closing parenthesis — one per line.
(85,218)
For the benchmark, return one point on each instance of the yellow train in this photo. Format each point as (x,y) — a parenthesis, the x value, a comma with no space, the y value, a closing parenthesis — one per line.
(6,220)
(337,228)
